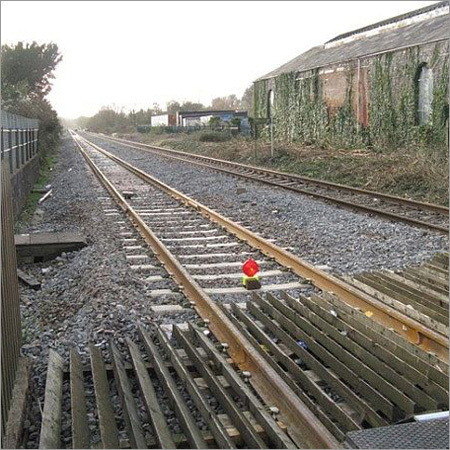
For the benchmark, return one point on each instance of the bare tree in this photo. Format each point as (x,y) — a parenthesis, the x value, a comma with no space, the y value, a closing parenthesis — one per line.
(227,102)
(173,106)
(247,99)
(156,108)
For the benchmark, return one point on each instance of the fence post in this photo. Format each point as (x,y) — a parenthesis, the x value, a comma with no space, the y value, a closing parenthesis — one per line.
(11,168)
(37,140)
(27,134)
(30,142)
(19,147)
(24,148)
(25,144)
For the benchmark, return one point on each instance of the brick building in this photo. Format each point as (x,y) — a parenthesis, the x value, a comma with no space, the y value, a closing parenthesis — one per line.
(382,85)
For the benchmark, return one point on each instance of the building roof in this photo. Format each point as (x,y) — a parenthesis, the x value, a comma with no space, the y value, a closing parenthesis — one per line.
(392,20)
(348,46)
(206,112)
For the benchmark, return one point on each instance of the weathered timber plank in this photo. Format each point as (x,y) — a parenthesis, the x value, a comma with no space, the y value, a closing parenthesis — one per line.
(394,293)
(379,345)
(47,245)
(399,306)
(51,416)
(377,381)
(348,372)
(130,412)
(428,363)
(265,345)
(429,285)
(187,423)
(107,423)
(240,421)
(352,342)
(81,434)
(208,414)
(431,294)
(19,402)
(28,279)
(363,409)
(279,437)
(419,296)
(157,418)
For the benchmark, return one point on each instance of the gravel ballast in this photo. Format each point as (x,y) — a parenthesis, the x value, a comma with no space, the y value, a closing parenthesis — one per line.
(89,296)
(93,296)
(323,234)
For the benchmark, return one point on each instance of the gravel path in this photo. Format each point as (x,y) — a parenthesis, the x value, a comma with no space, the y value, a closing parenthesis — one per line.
(321,233)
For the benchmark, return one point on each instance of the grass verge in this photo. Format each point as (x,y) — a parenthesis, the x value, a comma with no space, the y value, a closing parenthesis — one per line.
(419,173)
(47,163)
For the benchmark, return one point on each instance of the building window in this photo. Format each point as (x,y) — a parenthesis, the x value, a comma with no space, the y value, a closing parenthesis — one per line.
(270,100)
(425,90)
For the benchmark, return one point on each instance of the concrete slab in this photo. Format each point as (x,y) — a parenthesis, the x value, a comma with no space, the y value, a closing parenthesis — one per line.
(167,309)
(38,247)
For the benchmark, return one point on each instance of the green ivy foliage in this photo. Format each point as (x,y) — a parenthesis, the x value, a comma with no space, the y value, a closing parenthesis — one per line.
(439,115)
(382,117)
(301,114)
(260,93)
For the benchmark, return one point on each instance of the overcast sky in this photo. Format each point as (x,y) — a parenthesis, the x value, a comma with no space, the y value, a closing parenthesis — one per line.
(132,54)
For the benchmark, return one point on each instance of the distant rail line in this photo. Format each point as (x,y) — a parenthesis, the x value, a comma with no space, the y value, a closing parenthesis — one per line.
(421,214)
(309,371)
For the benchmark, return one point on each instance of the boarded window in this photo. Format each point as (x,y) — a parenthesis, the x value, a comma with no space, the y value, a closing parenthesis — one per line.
(425,94)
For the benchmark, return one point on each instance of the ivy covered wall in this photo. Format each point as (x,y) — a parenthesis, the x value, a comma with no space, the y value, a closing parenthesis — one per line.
(379,107)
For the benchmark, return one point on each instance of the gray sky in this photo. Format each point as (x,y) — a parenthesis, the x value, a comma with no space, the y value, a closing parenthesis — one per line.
(132,54)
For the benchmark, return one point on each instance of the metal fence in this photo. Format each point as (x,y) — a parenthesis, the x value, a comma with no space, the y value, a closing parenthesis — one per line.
(19,145)
(11,333)
(19,140)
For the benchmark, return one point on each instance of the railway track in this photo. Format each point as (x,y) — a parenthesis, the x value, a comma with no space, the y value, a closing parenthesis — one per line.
(317,362)
(244,357)
(421,214)
(232,237)
(353,374)
(173,392)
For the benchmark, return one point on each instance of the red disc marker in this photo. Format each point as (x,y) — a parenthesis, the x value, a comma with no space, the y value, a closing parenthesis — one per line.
(250,267)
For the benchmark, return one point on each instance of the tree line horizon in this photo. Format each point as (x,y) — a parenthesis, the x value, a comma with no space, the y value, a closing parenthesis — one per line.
(117,116)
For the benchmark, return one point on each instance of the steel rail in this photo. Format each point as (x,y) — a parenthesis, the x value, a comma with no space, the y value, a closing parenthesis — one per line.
(211,163)
(417,333)
(304,428)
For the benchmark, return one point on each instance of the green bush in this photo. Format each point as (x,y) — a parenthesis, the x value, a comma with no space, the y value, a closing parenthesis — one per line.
(213,136)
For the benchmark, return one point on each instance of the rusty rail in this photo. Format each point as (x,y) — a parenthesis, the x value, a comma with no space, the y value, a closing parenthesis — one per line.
(241,420)
(411,329)
(305,429)
(273,177)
